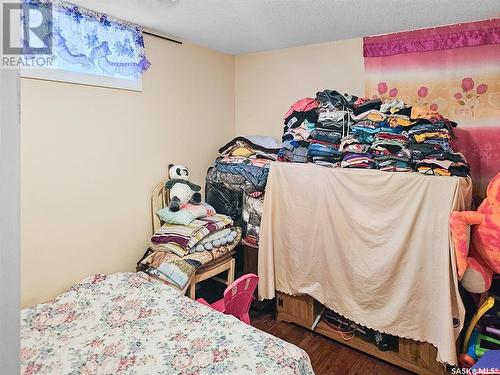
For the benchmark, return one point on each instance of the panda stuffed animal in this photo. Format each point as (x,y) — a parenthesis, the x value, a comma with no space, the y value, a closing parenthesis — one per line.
(181,189)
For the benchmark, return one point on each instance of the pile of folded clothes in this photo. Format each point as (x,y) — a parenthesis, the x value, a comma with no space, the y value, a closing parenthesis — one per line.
(253,205)
(391,151)
(358,160)
(183,239)
(429,139)
(353,132)
(382,136)
(314,128)
(333,123)
(432,153)
(294,151)
(355,147)
(356,153)
(333,111)
(300,121)
(324,153)
(235,185)
(188,239)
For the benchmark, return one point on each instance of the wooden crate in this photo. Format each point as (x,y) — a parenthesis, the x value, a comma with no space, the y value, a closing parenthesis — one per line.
(301,310)
(421,354)
(419,357)
(250,260)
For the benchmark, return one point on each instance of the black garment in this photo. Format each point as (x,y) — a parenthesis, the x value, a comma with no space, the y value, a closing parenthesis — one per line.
(303,143)
(404,111)
(421,150)
(429,128)
(225,201)
(328,159)
(422,121)
(336,99)
(455,170)
(297,118)
(366,106)
(328,125)
(449,125)
(460,171)
(456,158)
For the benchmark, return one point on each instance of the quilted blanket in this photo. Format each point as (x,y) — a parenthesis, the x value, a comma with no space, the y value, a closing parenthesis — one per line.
(128,323)
(181,239)
(176,270)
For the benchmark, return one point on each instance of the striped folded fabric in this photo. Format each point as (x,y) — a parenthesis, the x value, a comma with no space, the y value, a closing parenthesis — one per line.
(177,271)
(180,239)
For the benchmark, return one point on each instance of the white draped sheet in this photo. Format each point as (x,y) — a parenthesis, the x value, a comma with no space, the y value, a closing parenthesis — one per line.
(373,246)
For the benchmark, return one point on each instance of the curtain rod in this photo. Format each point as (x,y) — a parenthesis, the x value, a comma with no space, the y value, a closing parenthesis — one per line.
(158,35)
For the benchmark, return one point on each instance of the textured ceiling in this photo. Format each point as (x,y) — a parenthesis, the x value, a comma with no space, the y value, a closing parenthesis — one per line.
(243,26)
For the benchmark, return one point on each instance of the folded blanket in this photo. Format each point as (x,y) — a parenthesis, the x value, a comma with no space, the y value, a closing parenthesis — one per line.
(177,271)
(187,214)
(257,176)
(181,239)
(257,162)
(249,143)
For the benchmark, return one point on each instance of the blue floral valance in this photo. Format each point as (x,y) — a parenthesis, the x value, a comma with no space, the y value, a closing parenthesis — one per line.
(91,42)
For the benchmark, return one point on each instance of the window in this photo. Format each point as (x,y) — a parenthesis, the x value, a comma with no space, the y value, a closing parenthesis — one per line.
(86,47)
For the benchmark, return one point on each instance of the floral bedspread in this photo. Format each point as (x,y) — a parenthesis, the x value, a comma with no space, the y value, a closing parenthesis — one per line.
(129,323)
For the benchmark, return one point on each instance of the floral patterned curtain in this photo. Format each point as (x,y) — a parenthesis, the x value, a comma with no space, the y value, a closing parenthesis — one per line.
(454,70)
(90,42)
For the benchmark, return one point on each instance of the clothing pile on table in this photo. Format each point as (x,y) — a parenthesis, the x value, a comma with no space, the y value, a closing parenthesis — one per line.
(391,151)
(385,145)
(235,185)
(430,137)
(299,122)
(350,132)
(332,125)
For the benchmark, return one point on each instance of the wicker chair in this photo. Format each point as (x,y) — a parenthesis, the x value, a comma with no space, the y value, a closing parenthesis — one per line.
(160,199)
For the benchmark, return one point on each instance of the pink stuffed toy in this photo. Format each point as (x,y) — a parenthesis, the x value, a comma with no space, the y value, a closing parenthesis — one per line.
(478,261)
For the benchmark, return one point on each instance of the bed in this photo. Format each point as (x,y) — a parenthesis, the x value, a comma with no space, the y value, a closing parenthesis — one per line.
(130,323)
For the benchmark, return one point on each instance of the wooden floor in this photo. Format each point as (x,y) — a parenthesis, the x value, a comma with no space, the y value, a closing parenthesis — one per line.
(327,356)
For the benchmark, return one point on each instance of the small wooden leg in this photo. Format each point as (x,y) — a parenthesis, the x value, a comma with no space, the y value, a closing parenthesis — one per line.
(230,272)
(192,290)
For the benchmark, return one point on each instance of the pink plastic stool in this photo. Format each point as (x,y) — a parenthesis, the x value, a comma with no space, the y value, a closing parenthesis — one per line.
(237,298)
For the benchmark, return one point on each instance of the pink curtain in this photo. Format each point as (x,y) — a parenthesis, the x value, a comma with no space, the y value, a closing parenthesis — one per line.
(454,70)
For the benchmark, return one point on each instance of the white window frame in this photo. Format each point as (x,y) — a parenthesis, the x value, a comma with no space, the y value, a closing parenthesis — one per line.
(59,75)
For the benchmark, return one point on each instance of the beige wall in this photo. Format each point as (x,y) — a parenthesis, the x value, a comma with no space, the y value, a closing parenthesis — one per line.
(268,83)
(91,156)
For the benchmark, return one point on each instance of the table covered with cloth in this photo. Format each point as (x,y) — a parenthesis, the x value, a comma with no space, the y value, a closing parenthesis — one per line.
(373,246)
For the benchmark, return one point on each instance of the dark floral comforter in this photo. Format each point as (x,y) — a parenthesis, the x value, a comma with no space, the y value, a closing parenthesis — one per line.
(128,323)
